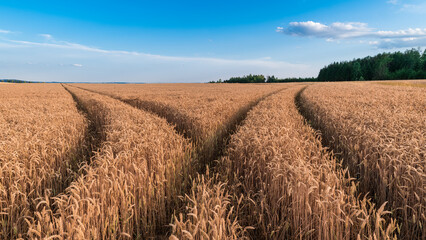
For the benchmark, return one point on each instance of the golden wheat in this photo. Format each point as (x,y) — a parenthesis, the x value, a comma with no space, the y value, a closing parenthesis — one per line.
(211,212)
(204,107)
(293,187)
(132,182)
(151,172)
(379,131)
(41,133)
(405,83)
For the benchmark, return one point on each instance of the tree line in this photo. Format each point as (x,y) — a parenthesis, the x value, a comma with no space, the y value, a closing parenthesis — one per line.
(410,64)
(14,81)
(262,79)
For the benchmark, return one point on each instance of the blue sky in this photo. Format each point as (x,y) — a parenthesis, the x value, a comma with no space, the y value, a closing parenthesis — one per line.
(197,41)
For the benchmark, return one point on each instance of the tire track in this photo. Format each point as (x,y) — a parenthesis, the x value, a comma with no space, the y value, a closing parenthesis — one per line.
(207,149)
(115,166)
(339,151)
(94,136)
(95,133)
(80,156)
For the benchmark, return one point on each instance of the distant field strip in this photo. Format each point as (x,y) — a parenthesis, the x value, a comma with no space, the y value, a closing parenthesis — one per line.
(380,133)
(405,84)
(41,140)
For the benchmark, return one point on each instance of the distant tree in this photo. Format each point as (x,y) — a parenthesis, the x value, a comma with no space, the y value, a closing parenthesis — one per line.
(381,67)
(423,61)
(356,71)
(271,79)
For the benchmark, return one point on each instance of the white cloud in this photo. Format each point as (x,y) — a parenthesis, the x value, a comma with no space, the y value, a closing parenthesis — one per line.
(393,2)
(411,32)
(334,31)
(339,30)
(77,65)
(351,30)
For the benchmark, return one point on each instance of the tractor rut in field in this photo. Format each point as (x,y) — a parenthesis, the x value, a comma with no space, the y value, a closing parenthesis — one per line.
(339,151)
(230,127)
(94,135)
(172,116)
(82,155)
(208,148)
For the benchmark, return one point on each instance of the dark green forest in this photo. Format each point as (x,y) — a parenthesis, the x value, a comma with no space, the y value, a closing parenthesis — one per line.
(14,81)
(410,64)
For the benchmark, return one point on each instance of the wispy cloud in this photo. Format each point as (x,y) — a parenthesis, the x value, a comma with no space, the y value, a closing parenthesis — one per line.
(266,62)
(97,63)
(393,2)
(414,8)
(410,6)
(352,30)
(46,36)
(5,31)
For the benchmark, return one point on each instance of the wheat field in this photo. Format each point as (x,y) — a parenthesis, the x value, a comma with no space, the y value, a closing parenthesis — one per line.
(384,149)
(42,137)
(213,161)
